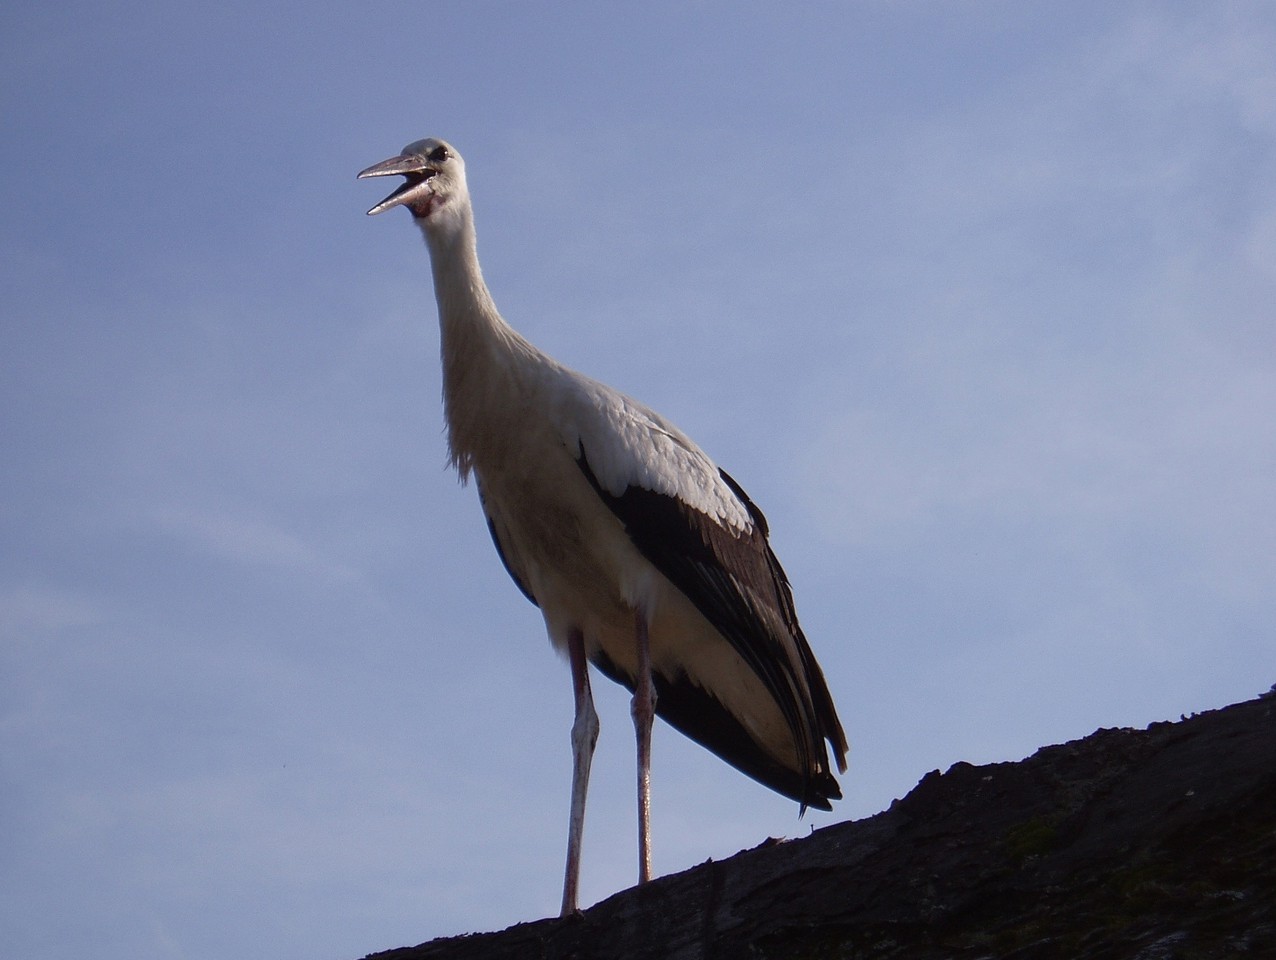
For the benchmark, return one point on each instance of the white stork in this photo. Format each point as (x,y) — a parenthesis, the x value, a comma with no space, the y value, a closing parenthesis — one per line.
(645,558)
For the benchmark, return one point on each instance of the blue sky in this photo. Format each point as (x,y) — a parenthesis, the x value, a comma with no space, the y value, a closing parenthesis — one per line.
(976,300)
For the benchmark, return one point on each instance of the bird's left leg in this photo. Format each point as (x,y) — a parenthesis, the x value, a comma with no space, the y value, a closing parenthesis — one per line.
(643,708)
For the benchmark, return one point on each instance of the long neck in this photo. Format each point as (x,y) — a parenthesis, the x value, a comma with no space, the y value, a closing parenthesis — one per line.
(465,305)
(482,355)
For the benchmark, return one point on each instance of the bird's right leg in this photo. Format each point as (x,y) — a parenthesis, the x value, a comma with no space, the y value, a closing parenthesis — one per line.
(584,736)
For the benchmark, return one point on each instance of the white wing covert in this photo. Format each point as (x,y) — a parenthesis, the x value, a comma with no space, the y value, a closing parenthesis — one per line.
(630,445)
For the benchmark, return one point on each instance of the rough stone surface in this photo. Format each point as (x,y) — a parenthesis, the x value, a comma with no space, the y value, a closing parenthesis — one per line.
(1155,844)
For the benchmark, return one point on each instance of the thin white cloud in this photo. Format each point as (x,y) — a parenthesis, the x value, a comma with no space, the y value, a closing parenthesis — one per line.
(249,540)
(39,609)
(1121,369)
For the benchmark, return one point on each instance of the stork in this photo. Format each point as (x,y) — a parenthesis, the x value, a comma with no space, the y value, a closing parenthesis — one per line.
(645,559)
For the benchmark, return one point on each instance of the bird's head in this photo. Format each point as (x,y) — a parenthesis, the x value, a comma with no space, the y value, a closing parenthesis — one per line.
(434,174)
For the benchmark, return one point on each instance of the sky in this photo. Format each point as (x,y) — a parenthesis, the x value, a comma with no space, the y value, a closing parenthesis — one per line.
(977,301)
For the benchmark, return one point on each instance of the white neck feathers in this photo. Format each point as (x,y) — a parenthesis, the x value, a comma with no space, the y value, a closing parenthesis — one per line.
(485,361)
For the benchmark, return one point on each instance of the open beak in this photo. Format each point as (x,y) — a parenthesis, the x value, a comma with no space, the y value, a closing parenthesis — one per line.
(417,171)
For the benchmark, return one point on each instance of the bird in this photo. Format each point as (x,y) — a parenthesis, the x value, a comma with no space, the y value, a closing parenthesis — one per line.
(647,560)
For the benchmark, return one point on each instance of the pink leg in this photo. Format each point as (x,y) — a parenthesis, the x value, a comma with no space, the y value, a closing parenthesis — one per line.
(643,708)
(584,736)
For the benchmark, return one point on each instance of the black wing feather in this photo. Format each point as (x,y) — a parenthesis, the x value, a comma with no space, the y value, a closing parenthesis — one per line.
(737,583)
(694,712)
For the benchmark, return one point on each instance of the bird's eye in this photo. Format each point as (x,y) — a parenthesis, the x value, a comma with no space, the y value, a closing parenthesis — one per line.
(438,154)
